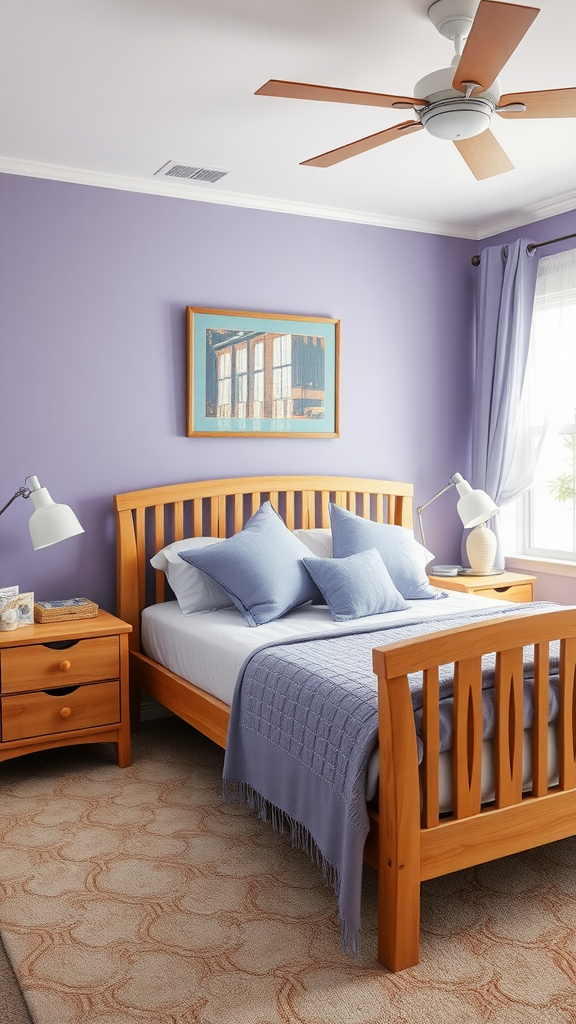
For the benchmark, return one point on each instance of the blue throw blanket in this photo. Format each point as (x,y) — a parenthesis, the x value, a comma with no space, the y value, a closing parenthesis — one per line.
(303,725)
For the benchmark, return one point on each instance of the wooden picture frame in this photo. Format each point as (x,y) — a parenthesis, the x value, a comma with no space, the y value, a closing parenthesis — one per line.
(261,374)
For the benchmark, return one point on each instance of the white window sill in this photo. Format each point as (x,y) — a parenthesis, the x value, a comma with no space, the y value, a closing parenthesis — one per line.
(554,567)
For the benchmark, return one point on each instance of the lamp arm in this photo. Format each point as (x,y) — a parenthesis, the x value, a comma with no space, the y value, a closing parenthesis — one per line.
(22,492)
(421,508)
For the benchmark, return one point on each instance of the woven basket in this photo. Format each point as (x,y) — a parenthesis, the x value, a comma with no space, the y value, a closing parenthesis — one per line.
(54,611)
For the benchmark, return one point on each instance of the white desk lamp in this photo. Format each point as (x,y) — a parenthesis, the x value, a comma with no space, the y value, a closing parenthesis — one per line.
(474,507)
(50,522)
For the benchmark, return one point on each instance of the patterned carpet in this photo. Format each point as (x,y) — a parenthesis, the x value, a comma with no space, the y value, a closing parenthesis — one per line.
(136,897)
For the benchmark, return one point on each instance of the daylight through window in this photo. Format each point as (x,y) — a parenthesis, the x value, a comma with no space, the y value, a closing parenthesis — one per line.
(546,513)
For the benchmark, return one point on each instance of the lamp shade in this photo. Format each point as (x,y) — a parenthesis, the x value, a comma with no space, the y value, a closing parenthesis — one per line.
(50,522)
(474,506)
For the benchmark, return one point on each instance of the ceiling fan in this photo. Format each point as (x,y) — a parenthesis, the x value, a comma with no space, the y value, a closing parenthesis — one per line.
(457,102)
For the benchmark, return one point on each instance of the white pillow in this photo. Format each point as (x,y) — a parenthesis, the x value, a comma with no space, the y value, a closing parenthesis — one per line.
(318,541)
(192,588)
(426,555)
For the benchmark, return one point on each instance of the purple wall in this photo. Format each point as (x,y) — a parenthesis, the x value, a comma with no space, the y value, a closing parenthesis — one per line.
(94,283)
(558,588)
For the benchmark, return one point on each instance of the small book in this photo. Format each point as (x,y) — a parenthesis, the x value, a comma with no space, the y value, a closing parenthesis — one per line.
(68,608)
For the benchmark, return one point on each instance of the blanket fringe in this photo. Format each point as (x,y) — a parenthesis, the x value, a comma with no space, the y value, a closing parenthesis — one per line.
(234,791)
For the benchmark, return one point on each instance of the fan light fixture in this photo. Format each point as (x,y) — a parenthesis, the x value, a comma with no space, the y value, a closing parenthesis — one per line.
(457,119)
(475,508)
(49,523)
(450,115)
(455,103)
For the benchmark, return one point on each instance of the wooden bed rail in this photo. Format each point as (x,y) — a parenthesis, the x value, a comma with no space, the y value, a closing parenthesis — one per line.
(149,519)
(416,841)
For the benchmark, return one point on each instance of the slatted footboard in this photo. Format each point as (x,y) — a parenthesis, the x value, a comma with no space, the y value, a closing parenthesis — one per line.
(414,841)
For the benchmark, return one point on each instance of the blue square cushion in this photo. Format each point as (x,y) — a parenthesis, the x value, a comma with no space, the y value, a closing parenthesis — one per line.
(261,568)
(355,586)
(402,555)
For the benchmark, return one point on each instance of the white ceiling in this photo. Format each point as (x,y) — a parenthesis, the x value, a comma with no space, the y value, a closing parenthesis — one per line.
(107,91)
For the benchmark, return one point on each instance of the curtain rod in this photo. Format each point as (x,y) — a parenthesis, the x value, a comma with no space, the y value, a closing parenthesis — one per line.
(530,248)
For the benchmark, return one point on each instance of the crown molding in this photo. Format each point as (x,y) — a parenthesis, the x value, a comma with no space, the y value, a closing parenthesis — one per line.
(204,193)
(530,214)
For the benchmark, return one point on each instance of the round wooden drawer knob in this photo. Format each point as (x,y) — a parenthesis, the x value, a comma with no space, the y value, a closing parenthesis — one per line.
(64,666)
(66,712)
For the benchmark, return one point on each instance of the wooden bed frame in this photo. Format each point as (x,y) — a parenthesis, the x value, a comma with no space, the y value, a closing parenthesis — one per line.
(410,840)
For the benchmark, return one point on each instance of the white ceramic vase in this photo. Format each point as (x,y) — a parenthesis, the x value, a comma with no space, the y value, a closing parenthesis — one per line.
(481,549)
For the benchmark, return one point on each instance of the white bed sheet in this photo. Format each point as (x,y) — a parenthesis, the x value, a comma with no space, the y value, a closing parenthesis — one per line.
(209,648)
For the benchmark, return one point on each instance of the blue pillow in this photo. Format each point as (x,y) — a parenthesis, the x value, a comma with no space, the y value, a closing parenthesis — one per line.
(400,553)
(355,586)
(261,568)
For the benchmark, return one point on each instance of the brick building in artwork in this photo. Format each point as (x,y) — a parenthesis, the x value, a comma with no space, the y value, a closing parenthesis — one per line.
(257,375)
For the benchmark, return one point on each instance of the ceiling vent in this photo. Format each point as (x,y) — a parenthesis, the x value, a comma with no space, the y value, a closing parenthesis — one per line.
(187,172)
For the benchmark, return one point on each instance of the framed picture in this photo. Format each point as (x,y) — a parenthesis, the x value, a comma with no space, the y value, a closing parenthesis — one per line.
(261,374)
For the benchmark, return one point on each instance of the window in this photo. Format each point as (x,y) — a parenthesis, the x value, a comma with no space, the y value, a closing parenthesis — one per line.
(543,519)
(241,380)
(282,376)
(224,383)
(258,378)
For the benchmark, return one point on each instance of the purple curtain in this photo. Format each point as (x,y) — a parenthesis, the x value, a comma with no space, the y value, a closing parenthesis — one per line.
(503,321)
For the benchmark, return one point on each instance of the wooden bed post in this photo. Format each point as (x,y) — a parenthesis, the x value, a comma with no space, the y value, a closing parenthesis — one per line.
(127,576)
(399,828)
(127,599)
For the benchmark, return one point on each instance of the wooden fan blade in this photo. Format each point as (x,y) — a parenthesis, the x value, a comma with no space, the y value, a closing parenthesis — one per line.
(496,31)
(546,103)
(302,91)
(484,155)
(334,156)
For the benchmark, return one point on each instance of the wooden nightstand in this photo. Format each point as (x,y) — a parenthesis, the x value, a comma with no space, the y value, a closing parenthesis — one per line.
(508,586)
(63,683)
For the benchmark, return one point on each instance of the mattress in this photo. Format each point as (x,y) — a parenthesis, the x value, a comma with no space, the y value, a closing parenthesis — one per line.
(209,649)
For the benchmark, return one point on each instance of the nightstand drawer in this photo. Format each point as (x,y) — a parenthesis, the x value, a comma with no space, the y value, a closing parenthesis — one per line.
(522,593)
(42,666)
(40,714)
(505,586)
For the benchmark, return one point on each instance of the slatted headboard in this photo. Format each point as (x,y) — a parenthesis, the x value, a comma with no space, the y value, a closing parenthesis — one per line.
(149,519)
